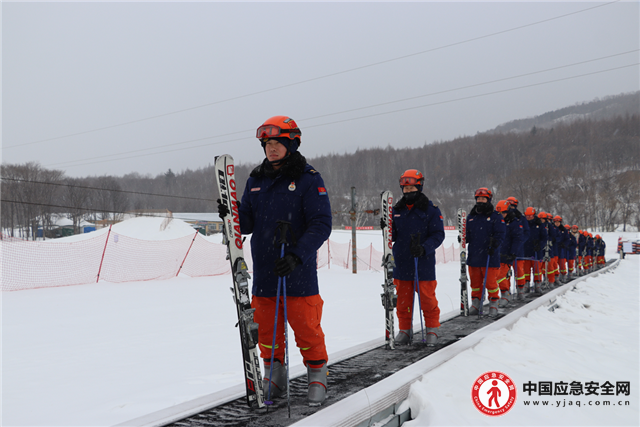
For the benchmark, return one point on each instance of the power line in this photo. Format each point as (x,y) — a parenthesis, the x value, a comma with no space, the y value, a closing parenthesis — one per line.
(320,77)
(69,163)
(104,189)
(353,119)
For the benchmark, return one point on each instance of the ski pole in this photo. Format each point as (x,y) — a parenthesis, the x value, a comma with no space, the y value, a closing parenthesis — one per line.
(283,227)
(286,335)
(268,401)
(484,285)
(416,288)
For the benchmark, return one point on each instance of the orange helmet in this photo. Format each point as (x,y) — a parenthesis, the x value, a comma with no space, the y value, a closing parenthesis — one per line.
(567,226)
(503,206)
(279,126)
(557,218)
(598,236)
(512,201)
(412,177)
(575,227)
(483,192)
(529,211)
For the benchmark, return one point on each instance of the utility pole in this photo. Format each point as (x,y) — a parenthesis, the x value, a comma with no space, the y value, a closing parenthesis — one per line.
(354,247)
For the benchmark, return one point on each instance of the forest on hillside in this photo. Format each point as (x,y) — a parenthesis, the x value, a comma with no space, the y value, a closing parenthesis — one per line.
(587,171)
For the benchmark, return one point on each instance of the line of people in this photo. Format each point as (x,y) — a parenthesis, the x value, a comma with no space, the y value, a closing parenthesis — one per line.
(284,188)
(504,243)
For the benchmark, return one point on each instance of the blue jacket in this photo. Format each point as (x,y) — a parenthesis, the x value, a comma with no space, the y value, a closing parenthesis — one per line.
(582,245)
(425,219)
(525,231)
(562,240)
(590,246)
(571,247)
(552,233)
(537,239)
(513,240)
(599,246)
(483,229)
(297,195)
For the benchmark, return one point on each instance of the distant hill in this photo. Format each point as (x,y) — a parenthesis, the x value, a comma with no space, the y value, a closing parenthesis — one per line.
(598,109)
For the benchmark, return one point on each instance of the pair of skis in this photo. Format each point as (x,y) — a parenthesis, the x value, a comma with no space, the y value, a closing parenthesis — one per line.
(232,238)
(389,297)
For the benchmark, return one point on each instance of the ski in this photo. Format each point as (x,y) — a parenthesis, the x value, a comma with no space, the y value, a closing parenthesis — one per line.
(462,237)
(389,297)
(225,179)
(546,259)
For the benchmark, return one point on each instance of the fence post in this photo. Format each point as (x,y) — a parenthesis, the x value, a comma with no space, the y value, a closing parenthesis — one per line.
(103,252)
(370,255)
(185,256)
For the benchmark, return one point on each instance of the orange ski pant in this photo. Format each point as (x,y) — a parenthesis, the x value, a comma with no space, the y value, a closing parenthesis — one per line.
(504,282)
(476,277)
(428,302)
(562,264)
(570,265)
(303,314)
(530,265)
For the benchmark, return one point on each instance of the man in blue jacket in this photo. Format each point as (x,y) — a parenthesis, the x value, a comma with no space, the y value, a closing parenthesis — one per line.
(417,231)
(284,188)
(485,232)
(534,252)
(518,264)
(513,241)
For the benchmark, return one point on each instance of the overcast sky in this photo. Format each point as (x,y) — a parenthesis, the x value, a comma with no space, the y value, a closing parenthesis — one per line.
(115,88)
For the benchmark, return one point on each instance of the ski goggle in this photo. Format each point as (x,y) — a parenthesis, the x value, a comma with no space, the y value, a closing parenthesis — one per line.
(409,180)
(273,131)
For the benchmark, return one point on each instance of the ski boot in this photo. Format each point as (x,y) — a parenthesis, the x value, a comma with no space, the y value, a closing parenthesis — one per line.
(278,379)
(404,337)
(538,288)
(432,336)
(475,306)
(493,308)
(521,289)
(504,299)
(317,372)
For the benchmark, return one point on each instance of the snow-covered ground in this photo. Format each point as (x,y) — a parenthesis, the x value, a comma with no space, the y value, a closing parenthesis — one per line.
(101,354)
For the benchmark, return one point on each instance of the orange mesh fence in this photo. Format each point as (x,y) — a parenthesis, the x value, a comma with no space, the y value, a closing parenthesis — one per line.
(116,258)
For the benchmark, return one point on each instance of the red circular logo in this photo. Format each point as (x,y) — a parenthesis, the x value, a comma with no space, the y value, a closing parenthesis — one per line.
(493,393)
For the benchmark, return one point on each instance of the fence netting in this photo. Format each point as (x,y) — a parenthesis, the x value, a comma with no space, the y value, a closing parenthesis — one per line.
(115,258)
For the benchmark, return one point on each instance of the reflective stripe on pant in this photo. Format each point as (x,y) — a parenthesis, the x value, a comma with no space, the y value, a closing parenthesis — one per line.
(303,314)
(429,303)
(476,277)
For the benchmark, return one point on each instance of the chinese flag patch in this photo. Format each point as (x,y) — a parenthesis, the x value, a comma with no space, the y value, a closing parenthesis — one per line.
(322,191)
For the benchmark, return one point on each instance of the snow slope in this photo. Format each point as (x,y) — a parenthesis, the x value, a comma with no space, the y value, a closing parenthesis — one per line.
(101,354)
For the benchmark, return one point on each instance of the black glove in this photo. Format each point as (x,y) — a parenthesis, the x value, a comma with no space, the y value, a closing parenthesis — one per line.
(490,249)
(222,209)
(536,245)
(383,223)
(459,239)
(286,265)
(510,258)
(416,249)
